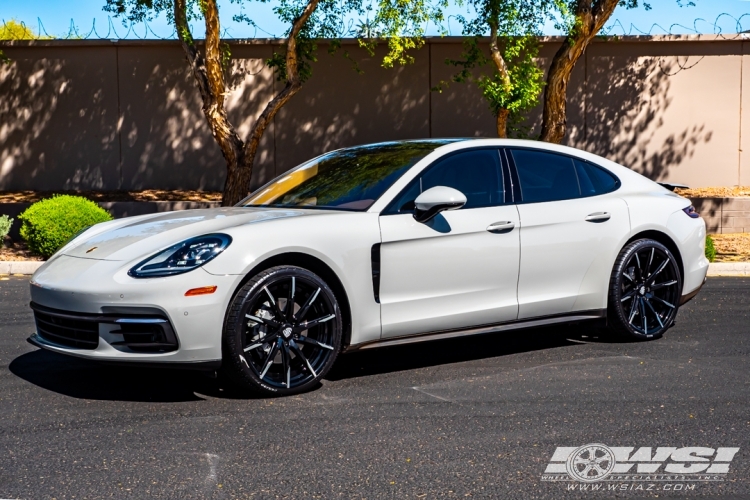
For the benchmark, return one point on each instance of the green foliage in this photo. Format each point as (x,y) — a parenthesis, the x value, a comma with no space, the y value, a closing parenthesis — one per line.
(710,249)
(5,223)
(520,91)
(402,23)
(517,23)
(48,224)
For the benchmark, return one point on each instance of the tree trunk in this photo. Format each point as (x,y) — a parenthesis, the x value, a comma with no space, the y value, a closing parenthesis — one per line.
(237,186)
(502,123)
(209,78)
(589,21)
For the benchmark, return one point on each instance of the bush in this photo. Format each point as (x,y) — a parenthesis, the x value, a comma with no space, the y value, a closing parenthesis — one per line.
(5,223)
(48,224)
(710,249)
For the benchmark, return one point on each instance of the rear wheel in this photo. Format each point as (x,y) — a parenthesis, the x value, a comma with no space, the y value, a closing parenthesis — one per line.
(644,292)
(282,332)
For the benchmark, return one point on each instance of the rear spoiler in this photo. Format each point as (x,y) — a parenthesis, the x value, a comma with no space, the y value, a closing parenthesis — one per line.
(672,185)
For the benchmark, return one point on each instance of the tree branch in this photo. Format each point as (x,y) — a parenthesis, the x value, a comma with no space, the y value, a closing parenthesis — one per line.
(589,21)
(293,84)
(210,80)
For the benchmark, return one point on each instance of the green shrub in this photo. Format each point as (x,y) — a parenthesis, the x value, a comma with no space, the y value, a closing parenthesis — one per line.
(48,224)
(710,249)
(5,223)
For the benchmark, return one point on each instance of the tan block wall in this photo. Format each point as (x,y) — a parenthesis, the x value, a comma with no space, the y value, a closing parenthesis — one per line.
(126,115)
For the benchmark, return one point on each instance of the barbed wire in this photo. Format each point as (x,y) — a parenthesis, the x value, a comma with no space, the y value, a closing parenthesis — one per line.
(143,30)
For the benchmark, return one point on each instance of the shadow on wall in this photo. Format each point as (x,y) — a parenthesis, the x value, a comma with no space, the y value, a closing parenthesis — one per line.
(166,140)
(338,107)
(58,119)
(627,106)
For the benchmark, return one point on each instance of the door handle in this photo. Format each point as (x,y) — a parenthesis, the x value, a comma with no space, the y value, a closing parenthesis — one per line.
(501,227)
(598,217)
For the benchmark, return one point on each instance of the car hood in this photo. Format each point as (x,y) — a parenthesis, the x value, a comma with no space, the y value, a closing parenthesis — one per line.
(143,236)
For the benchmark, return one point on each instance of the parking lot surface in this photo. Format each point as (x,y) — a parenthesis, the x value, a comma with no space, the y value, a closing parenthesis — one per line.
(473,417)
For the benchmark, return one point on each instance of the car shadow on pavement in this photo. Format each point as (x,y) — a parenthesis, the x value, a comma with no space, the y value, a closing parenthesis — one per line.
(426,354)
(84,379)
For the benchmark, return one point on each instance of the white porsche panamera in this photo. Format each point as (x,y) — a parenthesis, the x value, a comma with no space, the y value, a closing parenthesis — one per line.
(373,246)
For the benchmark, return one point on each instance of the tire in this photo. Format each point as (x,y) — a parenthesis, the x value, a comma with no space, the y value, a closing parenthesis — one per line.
(272,349)
(644,291)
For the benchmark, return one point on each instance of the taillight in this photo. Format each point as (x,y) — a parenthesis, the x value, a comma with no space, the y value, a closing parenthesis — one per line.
(691,212)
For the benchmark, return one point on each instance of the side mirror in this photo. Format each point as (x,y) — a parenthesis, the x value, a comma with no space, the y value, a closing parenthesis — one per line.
(435,200)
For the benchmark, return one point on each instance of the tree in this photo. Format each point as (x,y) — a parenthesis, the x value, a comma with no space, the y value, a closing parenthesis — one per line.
(583,20)
(516,81)
(14,30)
(307,21)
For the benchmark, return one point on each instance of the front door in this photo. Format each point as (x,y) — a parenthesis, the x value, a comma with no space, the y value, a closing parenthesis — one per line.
(459,269)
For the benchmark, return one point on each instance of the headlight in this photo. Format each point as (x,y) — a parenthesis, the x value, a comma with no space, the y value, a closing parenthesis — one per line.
(182,257)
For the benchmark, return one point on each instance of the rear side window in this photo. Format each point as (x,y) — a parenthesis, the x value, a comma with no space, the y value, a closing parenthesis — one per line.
(545,176)
(476,173)
(595,180)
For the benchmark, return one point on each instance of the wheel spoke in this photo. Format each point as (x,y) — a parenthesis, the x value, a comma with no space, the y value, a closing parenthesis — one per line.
(628,295)
(645,319)
(628,276)
(286,363)
(301,356)
(633,310)
(269,360)
(274,303)
(658,318)
(264,321)
(664,302)
(662,285)
(253,346)
(290,302)
(658,270)
(640,271)
(303,310)
(309,341)
(650,260)
(306,325)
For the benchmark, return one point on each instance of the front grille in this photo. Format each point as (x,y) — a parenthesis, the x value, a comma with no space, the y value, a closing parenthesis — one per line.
(135,332)
(67,331)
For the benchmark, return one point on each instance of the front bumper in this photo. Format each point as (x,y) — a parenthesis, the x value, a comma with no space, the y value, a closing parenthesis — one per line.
(122,319)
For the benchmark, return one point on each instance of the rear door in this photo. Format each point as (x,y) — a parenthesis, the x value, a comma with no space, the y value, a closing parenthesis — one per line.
(459,269)
(572,223)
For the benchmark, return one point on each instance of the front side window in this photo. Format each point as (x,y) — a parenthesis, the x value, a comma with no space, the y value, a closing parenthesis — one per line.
(545,176)
(348,179)
(476,173)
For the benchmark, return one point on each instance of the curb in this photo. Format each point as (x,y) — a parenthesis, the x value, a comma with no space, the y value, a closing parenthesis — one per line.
(714,269)
(19,266)
(729,269)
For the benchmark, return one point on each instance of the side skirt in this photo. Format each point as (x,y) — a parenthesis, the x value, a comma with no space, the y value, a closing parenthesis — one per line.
(598,314)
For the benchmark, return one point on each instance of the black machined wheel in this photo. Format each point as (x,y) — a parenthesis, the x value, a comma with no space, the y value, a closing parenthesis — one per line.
(645,290)
(283,331)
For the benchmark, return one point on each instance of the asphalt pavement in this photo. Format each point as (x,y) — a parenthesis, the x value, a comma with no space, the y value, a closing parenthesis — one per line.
(475,417)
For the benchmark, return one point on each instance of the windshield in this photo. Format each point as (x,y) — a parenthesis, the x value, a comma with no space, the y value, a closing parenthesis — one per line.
(348,179)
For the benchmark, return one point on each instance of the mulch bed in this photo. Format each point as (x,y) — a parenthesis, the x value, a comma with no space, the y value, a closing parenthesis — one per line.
(145,195)
(16,251)
(715,192)
(732,247)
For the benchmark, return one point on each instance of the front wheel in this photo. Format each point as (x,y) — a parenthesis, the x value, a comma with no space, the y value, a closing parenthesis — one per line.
(282,332)
(644,292)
